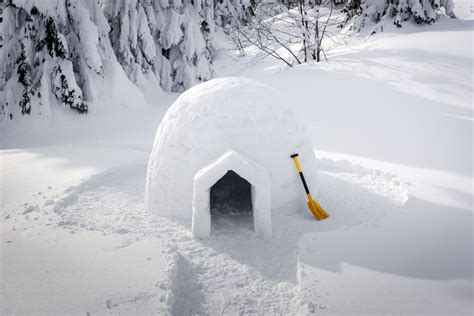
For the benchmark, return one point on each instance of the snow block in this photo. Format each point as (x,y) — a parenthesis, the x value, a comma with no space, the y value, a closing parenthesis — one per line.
(250,171)
(228,124)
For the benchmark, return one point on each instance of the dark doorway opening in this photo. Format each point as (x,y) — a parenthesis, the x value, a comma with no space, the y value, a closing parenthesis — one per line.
(231,204)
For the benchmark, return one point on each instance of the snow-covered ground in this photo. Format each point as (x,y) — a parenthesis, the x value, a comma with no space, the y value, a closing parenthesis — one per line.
(391,120)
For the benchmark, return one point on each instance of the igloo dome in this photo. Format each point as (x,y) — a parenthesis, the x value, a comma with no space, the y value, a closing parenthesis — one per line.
(232,132)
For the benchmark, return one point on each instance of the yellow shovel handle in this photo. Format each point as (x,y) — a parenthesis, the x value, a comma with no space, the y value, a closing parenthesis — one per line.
(298,167)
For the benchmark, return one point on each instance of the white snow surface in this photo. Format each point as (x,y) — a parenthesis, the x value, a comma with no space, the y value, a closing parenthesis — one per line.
(391,119)
(220,115)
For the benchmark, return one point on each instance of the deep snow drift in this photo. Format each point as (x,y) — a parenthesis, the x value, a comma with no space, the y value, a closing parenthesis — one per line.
(391,117)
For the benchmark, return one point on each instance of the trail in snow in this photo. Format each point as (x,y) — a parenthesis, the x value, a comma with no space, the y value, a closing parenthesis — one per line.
(235,272)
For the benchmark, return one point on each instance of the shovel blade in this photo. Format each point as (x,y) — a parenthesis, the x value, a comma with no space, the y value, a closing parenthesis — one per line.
(317,210)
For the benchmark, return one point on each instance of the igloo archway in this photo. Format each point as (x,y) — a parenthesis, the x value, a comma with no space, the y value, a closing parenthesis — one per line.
(228,124)
(260,192)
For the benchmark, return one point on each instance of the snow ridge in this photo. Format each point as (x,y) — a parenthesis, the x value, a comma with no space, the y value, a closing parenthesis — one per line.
(381,183)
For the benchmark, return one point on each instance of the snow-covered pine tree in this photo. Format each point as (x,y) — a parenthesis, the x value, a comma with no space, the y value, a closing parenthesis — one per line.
(192,56)
(364,12)
(131,34)
(232,12)
(169,42)
(53,54)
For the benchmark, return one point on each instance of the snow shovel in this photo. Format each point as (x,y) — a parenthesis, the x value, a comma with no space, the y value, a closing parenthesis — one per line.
(314,207)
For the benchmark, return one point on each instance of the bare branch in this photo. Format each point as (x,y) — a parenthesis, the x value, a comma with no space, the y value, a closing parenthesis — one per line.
(300,31)
(324,54)
(325,25)
(260,45)
(288,49)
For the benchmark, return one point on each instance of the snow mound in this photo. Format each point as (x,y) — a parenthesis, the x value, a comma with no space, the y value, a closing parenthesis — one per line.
(222,115)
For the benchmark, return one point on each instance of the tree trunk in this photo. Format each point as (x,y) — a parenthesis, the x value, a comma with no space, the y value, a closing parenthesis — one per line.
(317,52)
(305,51)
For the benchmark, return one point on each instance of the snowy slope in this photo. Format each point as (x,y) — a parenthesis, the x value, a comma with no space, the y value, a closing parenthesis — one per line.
(391,120)
(402,104)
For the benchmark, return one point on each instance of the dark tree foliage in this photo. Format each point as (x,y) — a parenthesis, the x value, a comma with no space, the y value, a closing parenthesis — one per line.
(24,78)
(68,95)
(23,69)
(25,104)
(52,41)
(34,11)
(352,8)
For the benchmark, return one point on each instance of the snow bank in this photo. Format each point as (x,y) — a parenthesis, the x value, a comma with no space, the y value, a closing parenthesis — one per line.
(221,115)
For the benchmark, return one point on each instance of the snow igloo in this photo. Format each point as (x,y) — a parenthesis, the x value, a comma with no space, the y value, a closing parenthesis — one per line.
(226,144)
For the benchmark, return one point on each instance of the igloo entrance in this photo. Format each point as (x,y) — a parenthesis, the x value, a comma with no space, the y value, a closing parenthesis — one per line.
(231,203)
(231,181)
